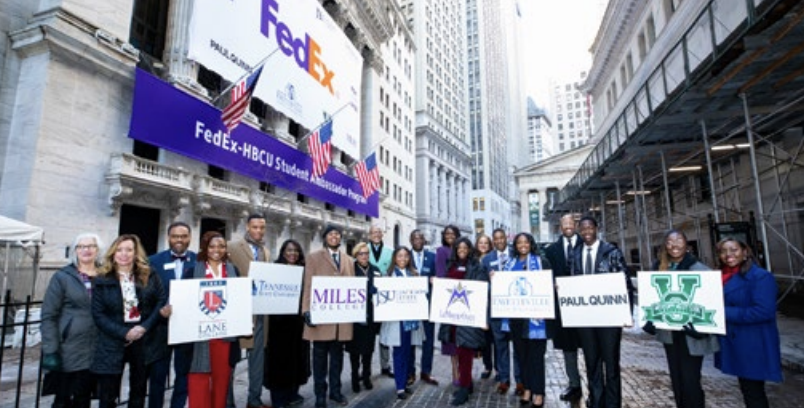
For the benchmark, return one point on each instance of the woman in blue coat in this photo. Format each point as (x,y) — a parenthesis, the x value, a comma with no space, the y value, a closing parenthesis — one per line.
(750,349)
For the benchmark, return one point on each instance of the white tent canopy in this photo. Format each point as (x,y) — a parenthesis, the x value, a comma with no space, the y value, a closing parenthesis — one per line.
(17,231)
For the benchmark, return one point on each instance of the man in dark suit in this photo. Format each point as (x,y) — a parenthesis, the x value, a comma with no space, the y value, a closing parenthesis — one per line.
(601,345)
(169,265)
(560,255)
(495,261)
(424,262)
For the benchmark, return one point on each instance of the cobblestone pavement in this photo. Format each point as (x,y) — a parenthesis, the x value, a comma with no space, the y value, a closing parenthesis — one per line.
(645,384)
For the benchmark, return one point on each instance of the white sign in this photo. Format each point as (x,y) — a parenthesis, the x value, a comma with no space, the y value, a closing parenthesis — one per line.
(523,294)
(599,300)
(400,299)
(205,309)
(338,299)
(314,70)
(276,288)
(672,299)
(459,302)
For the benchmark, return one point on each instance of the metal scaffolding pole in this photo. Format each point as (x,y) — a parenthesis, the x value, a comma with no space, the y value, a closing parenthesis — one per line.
(603,211)
(638,221)
(621,233)
(667,205)
(781,206)
(707,150)
(752,152)
(642,192)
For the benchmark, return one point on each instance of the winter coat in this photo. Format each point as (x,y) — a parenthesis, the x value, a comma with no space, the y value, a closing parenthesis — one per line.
(750,349)
(384,261)
(67,325)
(564,338)
(697,347)
(465,336)
(241,254)
(609,259)
(320,263)
(107,312)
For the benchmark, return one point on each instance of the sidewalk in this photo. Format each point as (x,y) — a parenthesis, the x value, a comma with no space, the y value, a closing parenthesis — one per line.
(791,334)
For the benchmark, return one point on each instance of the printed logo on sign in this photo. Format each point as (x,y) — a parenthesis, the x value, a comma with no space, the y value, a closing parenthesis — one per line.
(212,298)
(520,287)
(459,294)
(304,49)
(675,307)
(287,97)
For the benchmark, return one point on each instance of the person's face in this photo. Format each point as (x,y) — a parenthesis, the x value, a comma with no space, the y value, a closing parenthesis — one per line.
(483,245)
(216,249)
(256,229)
(402,259)
(363,256)
(86,250)
(375,235)
(522,245)
(568,226)
(417,242)
(463,251)
(732,254)
(588,232)
(124,254)
(333,239)
(676,247)
(179,239)
(291,254)
(500,241)
(449,236)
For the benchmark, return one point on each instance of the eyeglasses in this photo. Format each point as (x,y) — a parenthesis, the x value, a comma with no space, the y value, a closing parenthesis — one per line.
(85,247)
(361,253)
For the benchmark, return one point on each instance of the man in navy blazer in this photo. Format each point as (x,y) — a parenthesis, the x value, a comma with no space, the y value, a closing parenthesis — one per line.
(424,262)
(169,265)
(495,261)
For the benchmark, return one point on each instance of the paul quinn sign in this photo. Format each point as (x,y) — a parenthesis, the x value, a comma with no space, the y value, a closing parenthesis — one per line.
(173,120)
(594,300)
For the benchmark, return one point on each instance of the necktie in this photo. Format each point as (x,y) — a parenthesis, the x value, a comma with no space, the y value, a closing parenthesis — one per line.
(589,262)
(503,259)
(569,250)
(256,251)
(419,261)
(335,258)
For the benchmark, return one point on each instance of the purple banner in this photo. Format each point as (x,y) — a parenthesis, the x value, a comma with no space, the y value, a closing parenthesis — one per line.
(173,120)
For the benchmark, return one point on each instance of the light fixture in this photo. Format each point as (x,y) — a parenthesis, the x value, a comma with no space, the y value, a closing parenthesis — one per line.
(743,145)
(615,202)
(722,147)
(638,192)
(684,168)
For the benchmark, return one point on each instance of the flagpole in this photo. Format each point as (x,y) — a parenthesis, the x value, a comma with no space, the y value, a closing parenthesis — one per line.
(216,99)
(320,125)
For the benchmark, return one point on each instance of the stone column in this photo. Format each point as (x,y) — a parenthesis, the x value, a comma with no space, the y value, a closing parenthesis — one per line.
(433,204)
(448,196)
(180,69)
(442,198)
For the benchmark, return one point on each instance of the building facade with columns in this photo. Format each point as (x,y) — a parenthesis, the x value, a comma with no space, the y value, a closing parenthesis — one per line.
(442,150)
(67,74)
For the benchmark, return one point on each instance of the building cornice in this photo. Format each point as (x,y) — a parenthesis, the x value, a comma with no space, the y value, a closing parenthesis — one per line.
(613,36)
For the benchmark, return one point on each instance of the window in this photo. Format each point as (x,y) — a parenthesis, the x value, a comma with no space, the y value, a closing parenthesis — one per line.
(149,26)
(651,31)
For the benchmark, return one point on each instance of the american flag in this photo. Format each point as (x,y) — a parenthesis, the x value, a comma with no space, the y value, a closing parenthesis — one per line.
(368,174)
(241,98)
(320,146)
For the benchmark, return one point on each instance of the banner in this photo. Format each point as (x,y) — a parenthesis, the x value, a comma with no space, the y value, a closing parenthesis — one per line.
(599,300)
(400,299)
(459,302)
(275,288)
(523,294)
(315,70)
(205,309)
(338,300)
(671,299)
(173,120)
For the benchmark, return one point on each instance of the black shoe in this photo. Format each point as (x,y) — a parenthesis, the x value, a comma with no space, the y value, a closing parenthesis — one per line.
(320,402)
(368,385)
(340,399)
(571,394)
(460,397)
(355,386)
(408,390)
(485,375)
(387,372)
(401,395)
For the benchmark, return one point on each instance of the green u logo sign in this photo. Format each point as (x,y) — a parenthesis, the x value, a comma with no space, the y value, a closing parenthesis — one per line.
(676,307)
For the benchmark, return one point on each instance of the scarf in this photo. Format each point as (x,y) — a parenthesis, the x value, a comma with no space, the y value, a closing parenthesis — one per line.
(531,264)
(536,327)
(729,272)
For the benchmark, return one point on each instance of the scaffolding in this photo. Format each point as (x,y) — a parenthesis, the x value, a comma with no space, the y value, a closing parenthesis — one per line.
(711,140)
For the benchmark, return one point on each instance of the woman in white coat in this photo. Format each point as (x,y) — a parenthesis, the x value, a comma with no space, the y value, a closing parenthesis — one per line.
(405,334)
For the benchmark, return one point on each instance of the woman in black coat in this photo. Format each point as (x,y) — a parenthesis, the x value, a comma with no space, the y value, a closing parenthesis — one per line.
(287,359)
(126,299)
(364,334)
(464,265)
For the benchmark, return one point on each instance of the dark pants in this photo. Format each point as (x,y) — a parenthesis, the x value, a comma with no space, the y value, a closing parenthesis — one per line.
(282,397)
(502,353)
(488,351)
(601,351)
(402,359)
(685,373)
(355,358)
(157,380)
(74,390)
(427,348)
(531,353)
(465,358)
(109,384)
(753,393)
(327,357)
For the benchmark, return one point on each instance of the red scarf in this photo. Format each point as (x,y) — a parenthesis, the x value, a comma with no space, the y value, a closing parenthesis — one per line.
(728,272)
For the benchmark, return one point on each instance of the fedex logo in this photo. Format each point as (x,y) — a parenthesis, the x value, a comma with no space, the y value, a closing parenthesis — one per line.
(305,50)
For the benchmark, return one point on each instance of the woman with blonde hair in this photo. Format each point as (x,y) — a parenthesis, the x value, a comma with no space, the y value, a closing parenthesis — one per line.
(361,347)
(127,297)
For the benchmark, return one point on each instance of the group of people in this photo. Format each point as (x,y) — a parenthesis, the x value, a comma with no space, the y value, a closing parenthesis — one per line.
(108,309)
